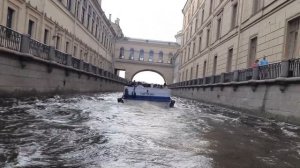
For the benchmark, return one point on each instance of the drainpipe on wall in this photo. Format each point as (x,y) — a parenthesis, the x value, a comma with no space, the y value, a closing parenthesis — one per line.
(241,4)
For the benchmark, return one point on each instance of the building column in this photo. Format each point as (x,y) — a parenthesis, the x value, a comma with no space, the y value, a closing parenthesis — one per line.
(52,54)
(284,69)
(236,76)
(3,4)
(25,42)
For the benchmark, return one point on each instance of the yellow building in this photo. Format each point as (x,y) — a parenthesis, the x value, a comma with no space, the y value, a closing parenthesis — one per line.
(222,36)
(76,27)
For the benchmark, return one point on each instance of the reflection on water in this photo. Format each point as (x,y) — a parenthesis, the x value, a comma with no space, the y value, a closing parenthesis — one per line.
(95,131)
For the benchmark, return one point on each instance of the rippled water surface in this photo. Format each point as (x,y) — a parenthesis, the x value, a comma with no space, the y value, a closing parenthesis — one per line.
(95,131)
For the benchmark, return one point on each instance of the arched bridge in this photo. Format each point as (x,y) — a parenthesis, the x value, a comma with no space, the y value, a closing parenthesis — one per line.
(137,55)
(132,68)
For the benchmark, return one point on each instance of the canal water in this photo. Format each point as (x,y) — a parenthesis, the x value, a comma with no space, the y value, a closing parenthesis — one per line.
(94,131)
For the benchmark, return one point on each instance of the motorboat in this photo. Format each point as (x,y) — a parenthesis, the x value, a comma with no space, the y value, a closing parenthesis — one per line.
(147,92)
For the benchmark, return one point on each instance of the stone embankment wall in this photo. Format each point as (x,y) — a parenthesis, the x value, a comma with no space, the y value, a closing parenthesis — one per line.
(25,75)
(272,91)
(266,99)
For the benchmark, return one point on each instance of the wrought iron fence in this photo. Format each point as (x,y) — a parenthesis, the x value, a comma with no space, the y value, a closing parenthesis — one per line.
(60,57)
(217,79)
(271,71)
(86,67)
(294,68)
(10,39)
(228,77)
(245,74)
(195,82)
(39,50)
(200,81)
(94,69)
(207,80)
(100,71)
(76,63)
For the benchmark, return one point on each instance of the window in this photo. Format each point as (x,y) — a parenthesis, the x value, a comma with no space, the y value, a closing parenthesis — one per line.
(191,30)
(82,15)
(57,42)
(211,6)
(131,54)
(121,56)
(189,52)
(215,65)
(234,15)
(141,56)
(67,47)
(204,69)
(293,47)
(9,20)
(88,18)
(202,16)
(46,35)
(77,9)
(194,48)
(229,60)
(252,52)
(200,44)
(75,51)
(191,75)
(69,5)
(170,58)
(186,75)
(151,54)
(257,4)
(161,57)
(208,37)
(81,55)
(197,69)
(93,23)
(219,26)
(30,27)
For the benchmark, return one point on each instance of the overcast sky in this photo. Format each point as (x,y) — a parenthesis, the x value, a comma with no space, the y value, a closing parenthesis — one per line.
(147,19)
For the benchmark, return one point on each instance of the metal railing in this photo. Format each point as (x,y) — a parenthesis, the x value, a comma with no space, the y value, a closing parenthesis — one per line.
(94,69)
(200,81)
(217,79)
(228,77)
(271,71)
(13,40)
(207,80)
(39,50)
(294,67)
(245,74)
(10,39)
(86,67)
(60,57)
(76,63)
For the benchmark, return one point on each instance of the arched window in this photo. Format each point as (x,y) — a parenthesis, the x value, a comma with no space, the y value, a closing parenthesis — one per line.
(141,56)
(131,54)
(161,57)
(151,55)
(121,56)
(170,57)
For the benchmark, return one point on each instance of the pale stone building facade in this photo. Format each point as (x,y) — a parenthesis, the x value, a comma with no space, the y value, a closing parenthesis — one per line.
(225,35)
(76,27)
(136,55)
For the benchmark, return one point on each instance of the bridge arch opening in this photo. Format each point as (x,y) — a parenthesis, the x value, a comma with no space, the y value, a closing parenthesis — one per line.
(149,76)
